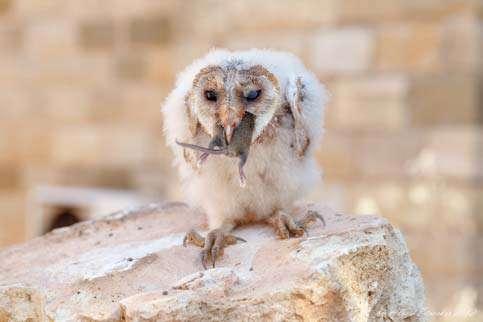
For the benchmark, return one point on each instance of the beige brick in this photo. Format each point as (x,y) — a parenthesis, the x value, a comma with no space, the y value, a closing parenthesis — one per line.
(105,105)
(109,176)
(131,66)
(414,47)
(5,6)
(337,156)
(103,145)
(150,30)
(356,11)
(121,10)
(15,103)
(91,70)
(369,103)
(457,152)
(444,100)
(376,11)
(65,104)
(51,38)
(9,176)
(256,16)
(387,155)
(39,8)
(160,69)
(12,212)
(141,104)
(11,37)
(98,34)
(346,50)
(183,54)
(462,39)
(295,41)
(32,142)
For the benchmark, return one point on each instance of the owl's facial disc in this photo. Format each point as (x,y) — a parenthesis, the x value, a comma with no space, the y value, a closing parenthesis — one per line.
(224,96)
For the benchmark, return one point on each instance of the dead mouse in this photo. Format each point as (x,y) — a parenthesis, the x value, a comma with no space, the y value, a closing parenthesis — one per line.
(238,147)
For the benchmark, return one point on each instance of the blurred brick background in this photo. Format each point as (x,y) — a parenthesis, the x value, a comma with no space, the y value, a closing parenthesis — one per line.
(81,84)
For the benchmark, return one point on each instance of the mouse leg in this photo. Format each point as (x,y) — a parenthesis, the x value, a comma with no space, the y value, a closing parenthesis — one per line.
(212,245)
(285,226)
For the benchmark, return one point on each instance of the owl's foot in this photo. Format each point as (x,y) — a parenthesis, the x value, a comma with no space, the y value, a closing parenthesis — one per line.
(286,227)
(213,244)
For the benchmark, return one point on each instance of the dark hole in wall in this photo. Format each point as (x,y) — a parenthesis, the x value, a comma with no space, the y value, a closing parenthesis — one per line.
(63,217)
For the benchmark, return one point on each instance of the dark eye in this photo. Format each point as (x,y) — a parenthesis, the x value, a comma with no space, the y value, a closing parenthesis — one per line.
(252,95)
(211,96)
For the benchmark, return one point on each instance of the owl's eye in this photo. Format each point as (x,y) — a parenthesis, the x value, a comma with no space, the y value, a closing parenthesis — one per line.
(252,95)
(211,96)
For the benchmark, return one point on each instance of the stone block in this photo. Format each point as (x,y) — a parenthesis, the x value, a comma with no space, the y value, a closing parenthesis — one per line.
(11,38)
(376,103)
(159,67)
(115,177)
(355,11)
(65,104)
(377,11)
(409,47)
(48,39)
(295,41)
(256,16)
(457,152)
(12,212)
(95,145)
(9,176)
(100,34)
(355,268)
(5,6)
(131,67)
(342,51)
(388,155)
(150,30)
(337,156)
(462,39)
(444,100)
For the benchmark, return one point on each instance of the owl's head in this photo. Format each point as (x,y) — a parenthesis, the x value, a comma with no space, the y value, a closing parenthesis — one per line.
(222,94)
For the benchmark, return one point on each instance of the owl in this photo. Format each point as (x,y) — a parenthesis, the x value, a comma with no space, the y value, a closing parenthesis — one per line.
(211,98)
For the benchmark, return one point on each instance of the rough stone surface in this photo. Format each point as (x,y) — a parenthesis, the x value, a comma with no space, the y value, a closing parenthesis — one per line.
(131,266)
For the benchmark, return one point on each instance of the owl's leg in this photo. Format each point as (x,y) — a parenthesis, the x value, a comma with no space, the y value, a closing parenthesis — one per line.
(285,226)
(213,244)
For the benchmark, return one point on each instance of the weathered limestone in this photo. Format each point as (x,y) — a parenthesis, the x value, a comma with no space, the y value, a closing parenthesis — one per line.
(131,266)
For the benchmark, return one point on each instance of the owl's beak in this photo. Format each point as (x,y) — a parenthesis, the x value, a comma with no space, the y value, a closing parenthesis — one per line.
(229,133)
(230,120)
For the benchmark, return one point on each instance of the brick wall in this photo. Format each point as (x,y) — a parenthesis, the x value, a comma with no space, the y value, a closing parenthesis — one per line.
(82,81)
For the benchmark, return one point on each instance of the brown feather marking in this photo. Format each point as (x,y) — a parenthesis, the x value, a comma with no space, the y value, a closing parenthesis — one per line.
(301,141)
(193,123)
(190,158)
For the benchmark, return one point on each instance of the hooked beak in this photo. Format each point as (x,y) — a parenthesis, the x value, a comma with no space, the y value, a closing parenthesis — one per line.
(230,122)
(229,133)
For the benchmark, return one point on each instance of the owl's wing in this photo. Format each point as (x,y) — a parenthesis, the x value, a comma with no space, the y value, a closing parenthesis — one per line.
(180,123)
(306,98)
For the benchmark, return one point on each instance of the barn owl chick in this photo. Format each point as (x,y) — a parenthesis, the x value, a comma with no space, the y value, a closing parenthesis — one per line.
(211,99)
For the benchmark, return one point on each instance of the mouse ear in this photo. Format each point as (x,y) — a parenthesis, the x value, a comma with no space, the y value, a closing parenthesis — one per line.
(296,97)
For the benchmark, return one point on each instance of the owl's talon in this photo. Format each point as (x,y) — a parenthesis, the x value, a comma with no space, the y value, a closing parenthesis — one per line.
(193,237)
(311,217)
(285,226)
(213,244)
(204,259)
